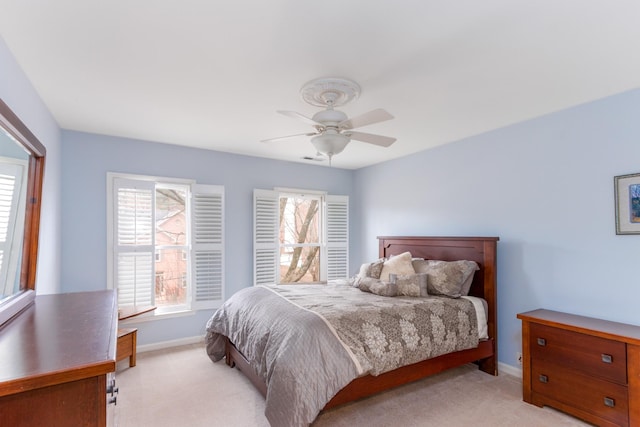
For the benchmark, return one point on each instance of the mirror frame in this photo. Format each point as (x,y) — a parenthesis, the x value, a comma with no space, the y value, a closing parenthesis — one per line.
(11,124)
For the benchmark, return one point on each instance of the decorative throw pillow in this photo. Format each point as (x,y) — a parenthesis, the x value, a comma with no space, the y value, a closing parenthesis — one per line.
(376,268)
(399,264)
(419,264)
(368,269)
(448,278)
(466,286)
(354,281)
(363,272)
(422,266)
(364,269)
(412,285)
(378,287)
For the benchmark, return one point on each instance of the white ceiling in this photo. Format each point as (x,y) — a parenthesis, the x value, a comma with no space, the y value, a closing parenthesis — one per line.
(211,74)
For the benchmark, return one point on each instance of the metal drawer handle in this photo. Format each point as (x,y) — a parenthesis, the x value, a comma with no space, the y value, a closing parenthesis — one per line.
(611,403)
(545,379)
(542,342)
(606,358)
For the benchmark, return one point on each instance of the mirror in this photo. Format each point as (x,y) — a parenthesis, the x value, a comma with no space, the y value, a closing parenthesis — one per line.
(21,171)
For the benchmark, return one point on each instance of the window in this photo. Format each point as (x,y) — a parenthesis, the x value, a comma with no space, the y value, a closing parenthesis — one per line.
(166,242)
(299,237)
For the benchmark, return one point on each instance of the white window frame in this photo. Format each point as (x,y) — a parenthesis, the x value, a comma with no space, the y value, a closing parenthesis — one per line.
(334,258)
(205,242)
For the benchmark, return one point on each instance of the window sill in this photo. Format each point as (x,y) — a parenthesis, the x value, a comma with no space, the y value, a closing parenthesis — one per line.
(155,315)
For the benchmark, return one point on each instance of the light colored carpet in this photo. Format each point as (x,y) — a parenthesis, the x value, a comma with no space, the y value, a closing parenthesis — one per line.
(182,387)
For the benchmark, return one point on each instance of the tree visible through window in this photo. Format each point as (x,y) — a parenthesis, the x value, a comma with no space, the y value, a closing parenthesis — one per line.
(299,239)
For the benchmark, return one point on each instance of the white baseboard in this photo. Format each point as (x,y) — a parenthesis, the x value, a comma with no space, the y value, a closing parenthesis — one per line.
(168,344)
(509,370)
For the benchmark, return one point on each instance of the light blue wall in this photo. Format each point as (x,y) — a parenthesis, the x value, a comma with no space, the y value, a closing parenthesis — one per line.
(545,187)
(86,160)
(18,93)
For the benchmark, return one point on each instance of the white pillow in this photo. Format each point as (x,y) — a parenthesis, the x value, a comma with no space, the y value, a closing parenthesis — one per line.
(399,264)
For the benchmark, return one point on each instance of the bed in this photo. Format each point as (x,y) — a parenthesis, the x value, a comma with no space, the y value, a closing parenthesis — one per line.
(348,384)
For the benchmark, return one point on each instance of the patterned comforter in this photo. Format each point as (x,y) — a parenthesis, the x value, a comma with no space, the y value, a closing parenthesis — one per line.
(309,341)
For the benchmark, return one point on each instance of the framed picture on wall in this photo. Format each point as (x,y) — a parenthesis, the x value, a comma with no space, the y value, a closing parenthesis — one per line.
(627,191)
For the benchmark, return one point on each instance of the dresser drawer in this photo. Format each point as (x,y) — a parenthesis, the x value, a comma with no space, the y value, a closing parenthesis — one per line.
(595,356)
(601,398)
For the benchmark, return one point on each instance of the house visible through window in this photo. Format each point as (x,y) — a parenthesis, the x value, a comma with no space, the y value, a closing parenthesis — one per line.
(299,237)
(167,241)
(171,242)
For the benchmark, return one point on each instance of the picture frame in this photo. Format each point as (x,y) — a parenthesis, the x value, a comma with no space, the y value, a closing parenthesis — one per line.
(627,195)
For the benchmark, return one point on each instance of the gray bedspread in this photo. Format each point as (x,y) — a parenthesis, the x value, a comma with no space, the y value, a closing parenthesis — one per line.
(309,341)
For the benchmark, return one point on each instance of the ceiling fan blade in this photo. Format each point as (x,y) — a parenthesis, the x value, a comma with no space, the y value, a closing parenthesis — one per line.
(301,117)
(383,141)
(288,136)
(373,116)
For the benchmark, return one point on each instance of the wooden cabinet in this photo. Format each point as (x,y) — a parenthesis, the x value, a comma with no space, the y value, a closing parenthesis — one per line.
(587,367)
(58,357)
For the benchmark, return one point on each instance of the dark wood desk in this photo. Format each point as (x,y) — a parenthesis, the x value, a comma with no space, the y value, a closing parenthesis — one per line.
(56,357)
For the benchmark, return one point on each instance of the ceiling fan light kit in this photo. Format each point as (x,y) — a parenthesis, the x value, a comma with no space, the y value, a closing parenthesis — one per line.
(333,127)
(330,144)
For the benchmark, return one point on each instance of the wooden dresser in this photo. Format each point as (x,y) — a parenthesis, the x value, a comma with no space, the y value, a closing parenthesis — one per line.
(587,367)
(58,357)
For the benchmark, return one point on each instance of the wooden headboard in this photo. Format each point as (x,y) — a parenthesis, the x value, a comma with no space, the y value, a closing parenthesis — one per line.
(482,250)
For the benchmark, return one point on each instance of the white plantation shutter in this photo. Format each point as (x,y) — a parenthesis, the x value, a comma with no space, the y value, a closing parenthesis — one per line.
(7,208)
(135,278)
(265,236)
(337,236)
(134,240)
(207,232)
(12,205)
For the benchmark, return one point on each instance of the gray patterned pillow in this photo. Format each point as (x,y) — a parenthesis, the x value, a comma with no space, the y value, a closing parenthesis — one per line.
(378,287)
(412,285)
(376,268)
(369,269)
(448,278)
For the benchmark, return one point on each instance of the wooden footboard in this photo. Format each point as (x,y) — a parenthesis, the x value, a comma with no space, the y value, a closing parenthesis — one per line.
(235,359)
(369,385)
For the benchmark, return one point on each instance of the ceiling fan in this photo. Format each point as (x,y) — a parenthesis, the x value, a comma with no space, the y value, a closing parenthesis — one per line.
(333,129)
